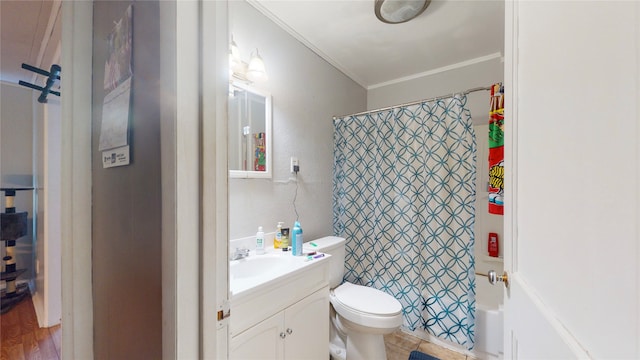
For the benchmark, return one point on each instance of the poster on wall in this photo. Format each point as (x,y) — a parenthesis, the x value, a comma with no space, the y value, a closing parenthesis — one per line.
(114,130)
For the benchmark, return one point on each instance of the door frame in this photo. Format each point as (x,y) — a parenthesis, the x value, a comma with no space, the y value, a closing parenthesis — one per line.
(214,269)
(194,180)
(77,307)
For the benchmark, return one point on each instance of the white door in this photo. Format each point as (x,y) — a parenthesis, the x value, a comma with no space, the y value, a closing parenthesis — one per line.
(573,179)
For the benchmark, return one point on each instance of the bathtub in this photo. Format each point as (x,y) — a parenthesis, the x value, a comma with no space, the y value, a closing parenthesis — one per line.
(489,327)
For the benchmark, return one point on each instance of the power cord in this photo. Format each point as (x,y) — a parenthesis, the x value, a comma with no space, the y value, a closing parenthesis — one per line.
(296,168)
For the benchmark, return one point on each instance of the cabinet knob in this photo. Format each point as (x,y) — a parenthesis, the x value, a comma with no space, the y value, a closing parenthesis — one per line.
(289,331)
(283,335)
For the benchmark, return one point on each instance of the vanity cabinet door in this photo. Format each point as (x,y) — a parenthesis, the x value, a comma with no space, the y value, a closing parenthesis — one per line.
(307,327)
(261,341)
(299,332)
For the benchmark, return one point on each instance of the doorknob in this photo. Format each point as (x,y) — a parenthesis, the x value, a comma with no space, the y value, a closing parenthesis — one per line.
(494,278)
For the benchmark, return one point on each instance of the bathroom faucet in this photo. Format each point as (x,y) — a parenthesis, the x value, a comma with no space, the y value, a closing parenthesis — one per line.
(240,253)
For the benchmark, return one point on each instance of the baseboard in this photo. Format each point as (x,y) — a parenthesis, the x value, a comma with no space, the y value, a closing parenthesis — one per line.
(38,305)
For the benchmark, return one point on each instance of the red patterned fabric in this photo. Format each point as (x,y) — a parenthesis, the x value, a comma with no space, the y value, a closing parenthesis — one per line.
(496,150)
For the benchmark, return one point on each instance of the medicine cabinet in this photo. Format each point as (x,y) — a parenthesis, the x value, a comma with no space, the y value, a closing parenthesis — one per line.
(250,132)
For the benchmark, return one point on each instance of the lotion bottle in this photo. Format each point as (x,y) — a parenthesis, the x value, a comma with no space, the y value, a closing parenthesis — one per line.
(277,242)
(296,239)
(260,241)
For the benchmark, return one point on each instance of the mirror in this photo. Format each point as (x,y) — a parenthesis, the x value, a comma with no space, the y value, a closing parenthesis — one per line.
(249,132)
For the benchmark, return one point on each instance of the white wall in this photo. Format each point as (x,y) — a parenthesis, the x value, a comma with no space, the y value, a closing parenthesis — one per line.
(480,74)
(16,154)
(485,222)
(306,93)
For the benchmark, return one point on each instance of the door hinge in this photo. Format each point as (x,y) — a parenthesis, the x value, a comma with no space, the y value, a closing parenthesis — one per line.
(222,315)
(225,312)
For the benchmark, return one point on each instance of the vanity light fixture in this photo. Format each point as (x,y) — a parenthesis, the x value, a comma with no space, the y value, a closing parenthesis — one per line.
(256,70)
(240,70)
(234,55)
(399,11)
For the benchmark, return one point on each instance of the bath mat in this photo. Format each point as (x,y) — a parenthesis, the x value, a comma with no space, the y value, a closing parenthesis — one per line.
(417,355)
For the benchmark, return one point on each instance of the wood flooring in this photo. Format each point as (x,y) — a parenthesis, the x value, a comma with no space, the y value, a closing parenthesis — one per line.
(22,338)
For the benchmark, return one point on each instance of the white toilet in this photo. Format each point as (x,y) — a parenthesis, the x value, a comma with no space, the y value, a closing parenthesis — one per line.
(360,315)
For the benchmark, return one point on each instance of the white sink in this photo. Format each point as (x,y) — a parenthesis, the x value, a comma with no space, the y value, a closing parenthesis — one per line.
(256,266)
(258,271)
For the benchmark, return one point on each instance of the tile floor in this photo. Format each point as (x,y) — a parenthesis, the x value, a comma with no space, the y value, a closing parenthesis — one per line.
(399,345)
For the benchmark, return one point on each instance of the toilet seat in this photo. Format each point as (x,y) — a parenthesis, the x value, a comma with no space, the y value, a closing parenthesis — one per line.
(366,306)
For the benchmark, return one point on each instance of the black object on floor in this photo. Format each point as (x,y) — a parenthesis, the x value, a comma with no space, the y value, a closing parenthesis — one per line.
(417,355)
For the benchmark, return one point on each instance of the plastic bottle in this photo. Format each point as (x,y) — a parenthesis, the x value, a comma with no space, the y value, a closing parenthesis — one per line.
(296,239)
(493,246)
(285,239)
(277,242)
(260,241)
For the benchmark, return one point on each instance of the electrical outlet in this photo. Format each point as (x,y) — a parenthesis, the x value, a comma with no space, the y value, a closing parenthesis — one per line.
(295,165)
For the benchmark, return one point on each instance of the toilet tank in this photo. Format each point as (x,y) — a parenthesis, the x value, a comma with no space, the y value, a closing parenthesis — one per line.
(333,246)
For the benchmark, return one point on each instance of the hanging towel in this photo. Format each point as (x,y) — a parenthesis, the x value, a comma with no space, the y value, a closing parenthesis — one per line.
(496,150)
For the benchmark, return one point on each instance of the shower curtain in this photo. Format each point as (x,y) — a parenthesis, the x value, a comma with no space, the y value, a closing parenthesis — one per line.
(404,198)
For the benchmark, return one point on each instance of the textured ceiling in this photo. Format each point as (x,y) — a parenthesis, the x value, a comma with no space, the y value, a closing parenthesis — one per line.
(29,33)
(348,35)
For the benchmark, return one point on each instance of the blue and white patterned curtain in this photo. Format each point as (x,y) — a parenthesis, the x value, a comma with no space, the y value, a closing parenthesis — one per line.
(404,198)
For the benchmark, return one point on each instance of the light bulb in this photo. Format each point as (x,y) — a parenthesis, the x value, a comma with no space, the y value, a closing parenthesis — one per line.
(256,70)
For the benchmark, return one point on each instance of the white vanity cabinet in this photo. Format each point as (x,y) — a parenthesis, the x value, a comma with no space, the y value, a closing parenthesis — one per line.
(301,331)
(261,341)
(284,316)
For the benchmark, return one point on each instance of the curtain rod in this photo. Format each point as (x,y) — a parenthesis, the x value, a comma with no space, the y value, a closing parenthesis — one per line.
(481,88)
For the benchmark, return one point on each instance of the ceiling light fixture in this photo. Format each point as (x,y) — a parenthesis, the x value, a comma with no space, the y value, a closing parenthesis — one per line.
(399,11)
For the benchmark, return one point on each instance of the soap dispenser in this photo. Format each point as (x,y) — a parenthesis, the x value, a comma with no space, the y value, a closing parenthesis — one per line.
(277,242)
(260,241)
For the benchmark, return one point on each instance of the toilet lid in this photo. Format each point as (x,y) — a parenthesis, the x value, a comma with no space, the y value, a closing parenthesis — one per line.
(367,300)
